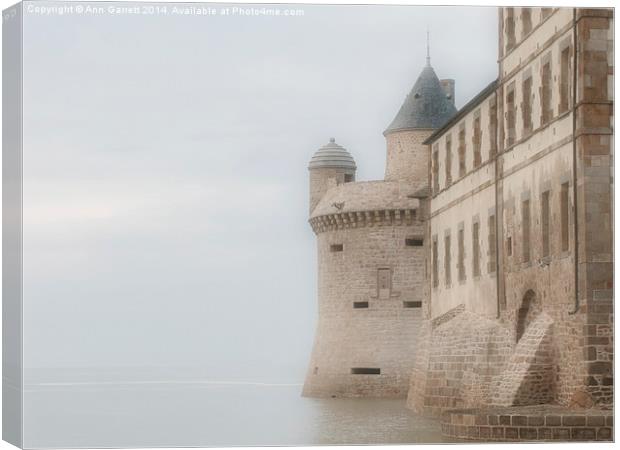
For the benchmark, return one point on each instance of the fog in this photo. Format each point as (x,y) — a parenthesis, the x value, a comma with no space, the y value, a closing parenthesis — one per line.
(165,173)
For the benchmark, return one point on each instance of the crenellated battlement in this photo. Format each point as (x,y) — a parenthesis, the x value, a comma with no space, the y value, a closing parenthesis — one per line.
(358,219)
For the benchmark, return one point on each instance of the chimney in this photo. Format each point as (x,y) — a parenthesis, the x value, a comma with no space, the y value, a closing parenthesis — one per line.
(448,88)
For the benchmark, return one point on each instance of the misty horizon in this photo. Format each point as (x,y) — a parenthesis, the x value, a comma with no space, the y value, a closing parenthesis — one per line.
(166,182)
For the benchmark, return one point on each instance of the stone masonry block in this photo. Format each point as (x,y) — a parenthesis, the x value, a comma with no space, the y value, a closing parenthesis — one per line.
(583,434)
(573,421)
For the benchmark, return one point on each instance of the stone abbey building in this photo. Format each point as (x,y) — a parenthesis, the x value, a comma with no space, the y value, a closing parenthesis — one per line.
(479,273)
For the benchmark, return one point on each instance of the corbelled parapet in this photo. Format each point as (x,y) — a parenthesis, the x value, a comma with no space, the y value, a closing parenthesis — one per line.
(367,203)
(362,204)
(340,221)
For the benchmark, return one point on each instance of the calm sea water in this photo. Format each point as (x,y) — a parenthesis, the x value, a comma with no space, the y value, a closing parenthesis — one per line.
(166,414)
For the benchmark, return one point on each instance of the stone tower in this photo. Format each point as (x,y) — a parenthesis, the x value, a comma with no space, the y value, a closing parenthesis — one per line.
(371,249)
(428,106)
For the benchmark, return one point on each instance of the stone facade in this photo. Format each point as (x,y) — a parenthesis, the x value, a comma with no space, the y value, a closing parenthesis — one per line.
(366,322)
(594,190)
(521,184)
(407,157)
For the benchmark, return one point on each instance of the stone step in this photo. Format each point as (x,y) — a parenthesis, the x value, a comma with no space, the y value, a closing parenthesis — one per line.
(528,423)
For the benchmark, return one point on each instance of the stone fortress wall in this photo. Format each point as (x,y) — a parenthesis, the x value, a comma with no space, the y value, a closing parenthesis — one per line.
(365,340)
(509,202)
(371,278)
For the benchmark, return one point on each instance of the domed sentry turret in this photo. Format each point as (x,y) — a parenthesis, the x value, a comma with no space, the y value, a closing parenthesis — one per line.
(330,166)
(427,108)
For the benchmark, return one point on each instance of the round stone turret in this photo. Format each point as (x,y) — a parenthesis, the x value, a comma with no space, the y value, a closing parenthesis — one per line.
(371,289)
(427,108)
(330,166)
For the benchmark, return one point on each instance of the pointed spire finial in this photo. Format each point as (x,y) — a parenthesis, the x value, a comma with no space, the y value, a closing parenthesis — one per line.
(428,48)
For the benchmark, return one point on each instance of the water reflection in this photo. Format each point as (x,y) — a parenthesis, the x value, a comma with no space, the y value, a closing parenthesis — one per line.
(203,414)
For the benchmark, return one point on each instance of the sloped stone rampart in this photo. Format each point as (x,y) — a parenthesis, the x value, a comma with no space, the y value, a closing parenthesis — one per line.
(529,375)
(464,353)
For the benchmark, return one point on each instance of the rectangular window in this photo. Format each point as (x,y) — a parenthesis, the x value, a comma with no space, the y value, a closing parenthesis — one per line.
(492,243)
(510,118)
(545,97)
(509,26)
(475,237)
(384,282)
(526,107)
(526,20)
(564,79)
(446,262)
(348,178)
(477,142)
(462,166)
(365,371)
(435,172)
(461,255)
(564,216)
(435,263)
(509,246)
(412,304)
(336,247)
(360,305)
(525,223)
(448,161)
(414,242)
(545,223)
(492,128)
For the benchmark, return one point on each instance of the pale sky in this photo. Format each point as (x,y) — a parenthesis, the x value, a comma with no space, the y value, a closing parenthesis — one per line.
(165,172)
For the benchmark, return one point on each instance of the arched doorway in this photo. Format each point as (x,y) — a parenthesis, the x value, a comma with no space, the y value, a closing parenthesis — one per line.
(530,308)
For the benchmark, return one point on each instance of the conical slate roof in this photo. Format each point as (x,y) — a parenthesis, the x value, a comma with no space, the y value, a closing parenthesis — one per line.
(332,155)
(426,106)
